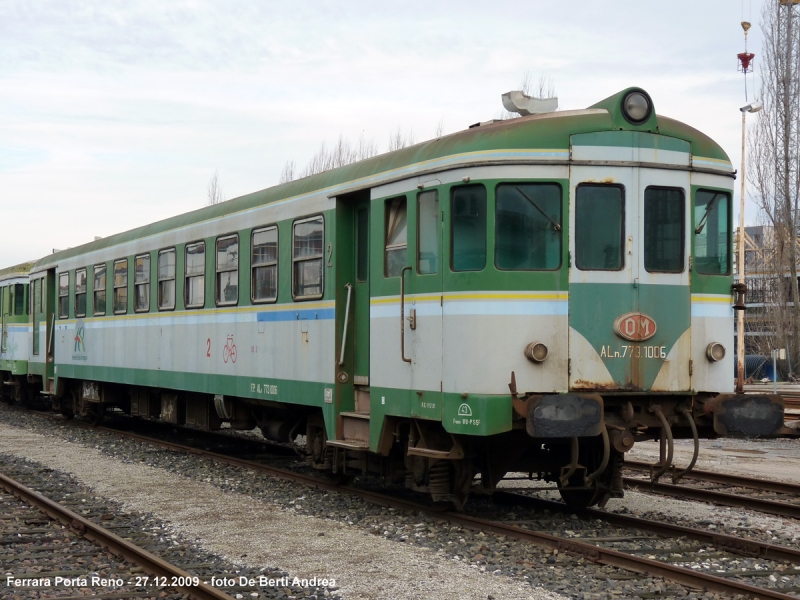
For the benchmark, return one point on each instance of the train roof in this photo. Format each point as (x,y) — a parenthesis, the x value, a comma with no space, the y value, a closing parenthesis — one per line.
(550,131)
(20,270)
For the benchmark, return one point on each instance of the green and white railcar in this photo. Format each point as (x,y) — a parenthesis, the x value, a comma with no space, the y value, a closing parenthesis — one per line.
(15,331)
(529,295)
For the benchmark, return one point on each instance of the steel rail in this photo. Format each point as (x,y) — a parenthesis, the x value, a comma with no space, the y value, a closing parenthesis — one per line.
(148,562)
(584,550)
(729,543)
(772,507)
(615,558)
(726,479)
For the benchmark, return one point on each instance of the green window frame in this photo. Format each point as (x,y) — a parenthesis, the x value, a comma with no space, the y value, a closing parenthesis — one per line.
(264,264)
(468,222)
(80,292)
(528,226)
(36,311)
(63,295)
(428,232)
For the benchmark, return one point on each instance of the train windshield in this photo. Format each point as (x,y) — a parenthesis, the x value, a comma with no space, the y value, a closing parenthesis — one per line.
(712,232)
(599,227)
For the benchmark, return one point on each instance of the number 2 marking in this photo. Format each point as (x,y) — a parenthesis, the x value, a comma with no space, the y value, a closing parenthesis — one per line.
(208,347)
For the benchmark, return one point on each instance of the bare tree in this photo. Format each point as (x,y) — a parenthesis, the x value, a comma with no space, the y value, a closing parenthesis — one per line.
(331,157)
(774,171)
(287,174)
(439,128)
(400,139)
(214,190)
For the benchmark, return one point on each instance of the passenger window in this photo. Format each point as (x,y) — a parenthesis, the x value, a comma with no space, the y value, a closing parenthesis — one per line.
(663,230)
(362,242)
(307,258)
(396,236)
(264,265)
(99,290)
(63,295)
(80,293)
(166,279)
(712,233)
(528,226)
(194,294)
(468,228)
(227,270)
(141,283)
(428,232)
(599,227)
(120,286)
(37,313)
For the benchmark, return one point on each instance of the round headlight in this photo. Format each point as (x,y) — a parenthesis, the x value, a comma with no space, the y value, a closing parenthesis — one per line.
(636,107)
(536,352)
(715,352)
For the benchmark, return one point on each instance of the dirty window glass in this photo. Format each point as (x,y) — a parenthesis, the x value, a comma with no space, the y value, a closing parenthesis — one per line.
(396,236)
(528,223)
(468,210)
(428,232)
(663,230)
(712,234)
(599,227)
(195,275)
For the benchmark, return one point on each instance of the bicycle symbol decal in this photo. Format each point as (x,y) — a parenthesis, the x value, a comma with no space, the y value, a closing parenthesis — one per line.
(229,350)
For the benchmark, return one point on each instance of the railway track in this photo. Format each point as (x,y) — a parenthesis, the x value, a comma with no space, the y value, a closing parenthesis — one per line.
(28,534)
(771,497)
(685,562)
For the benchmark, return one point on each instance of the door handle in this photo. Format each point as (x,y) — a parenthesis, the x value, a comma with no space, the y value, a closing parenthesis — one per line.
(403,314)
(349,289)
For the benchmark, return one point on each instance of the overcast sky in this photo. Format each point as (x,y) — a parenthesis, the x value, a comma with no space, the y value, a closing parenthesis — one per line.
(115,114)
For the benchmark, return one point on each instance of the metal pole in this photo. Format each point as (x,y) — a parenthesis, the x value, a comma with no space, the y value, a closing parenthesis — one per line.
(774,373)
(740,313)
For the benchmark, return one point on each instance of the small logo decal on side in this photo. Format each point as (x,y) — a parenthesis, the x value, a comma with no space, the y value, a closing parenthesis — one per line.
(635,327)
(464,411)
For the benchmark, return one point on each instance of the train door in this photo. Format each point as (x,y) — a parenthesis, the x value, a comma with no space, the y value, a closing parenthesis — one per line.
(361,296)
(604,278)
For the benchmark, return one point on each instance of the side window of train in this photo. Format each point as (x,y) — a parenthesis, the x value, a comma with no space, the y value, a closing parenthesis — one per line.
(664,242)
(80,292)
(19,299)
(36,311)
(428,232)
(712,233)
(468,228)
(63,295)
(264,265)
(141,283)
(227,270)
(195,275)
(528,226)
(120,286)
(307,258)
(599,227)
(99,290)
(395,236)
(166,279)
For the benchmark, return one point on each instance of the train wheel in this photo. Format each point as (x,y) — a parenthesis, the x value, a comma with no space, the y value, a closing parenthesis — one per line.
(577,494)
(97,413)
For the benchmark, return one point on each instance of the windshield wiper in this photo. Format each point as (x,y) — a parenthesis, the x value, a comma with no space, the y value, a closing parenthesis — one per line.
(556,226)
(709,206)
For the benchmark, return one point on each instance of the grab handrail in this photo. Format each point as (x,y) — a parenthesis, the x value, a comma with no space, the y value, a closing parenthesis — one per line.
(403,314)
